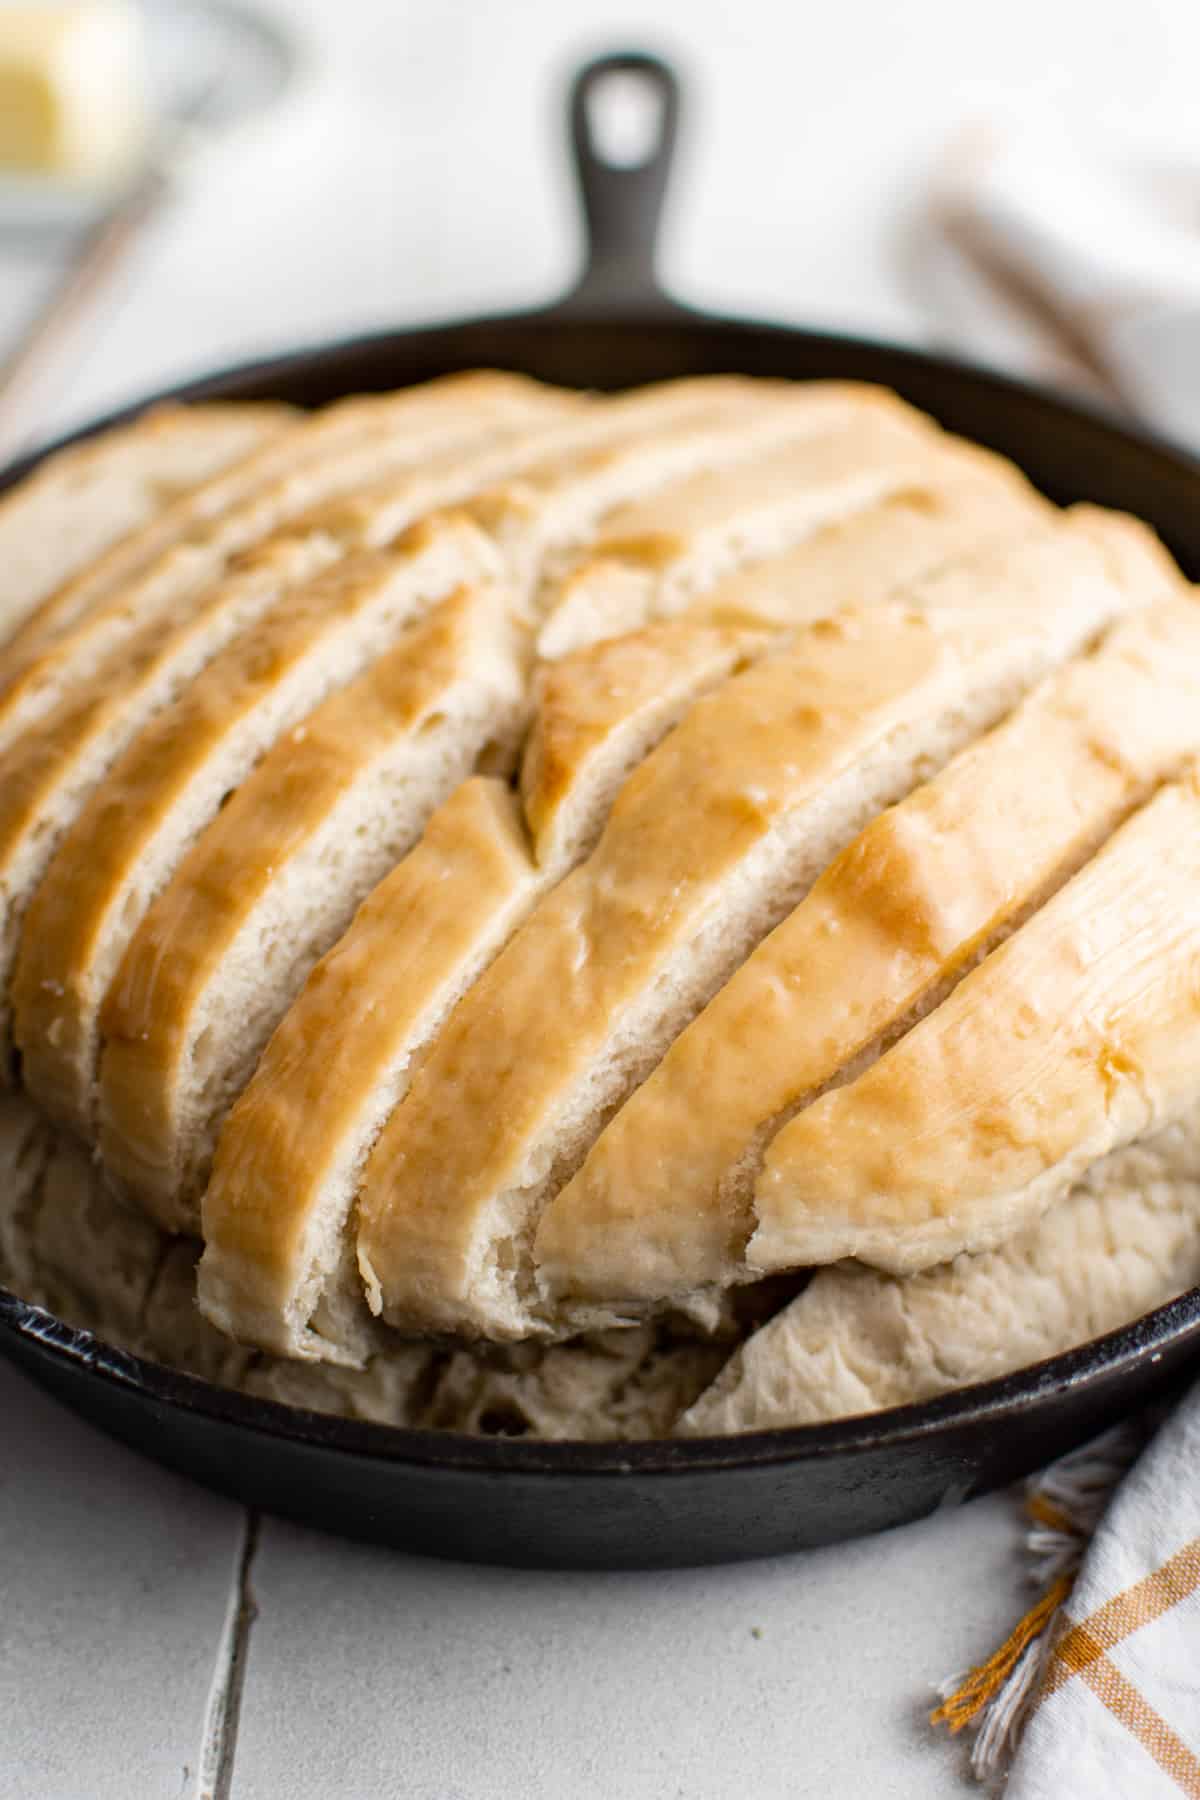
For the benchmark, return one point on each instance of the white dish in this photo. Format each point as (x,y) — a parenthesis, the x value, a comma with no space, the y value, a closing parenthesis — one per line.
(190,44)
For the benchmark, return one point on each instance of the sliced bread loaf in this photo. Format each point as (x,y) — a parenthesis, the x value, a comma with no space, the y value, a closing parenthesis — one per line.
(76,744)
(275,879)
(1078,1034)
(714,839)
(663,1205)
(1124,1240)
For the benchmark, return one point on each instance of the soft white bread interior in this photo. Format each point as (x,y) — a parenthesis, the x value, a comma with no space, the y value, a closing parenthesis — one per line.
(1078,1034)
(79,504)
(1124,1240)
(277,875)
(716,837)
(663,1205)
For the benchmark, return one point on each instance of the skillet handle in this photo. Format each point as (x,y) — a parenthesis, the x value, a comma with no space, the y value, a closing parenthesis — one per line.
(622,205)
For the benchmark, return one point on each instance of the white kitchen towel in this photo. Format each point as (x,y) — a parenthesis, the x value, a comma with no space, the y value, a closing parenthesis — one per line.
(1116,1715)
(1076,259)
(1096,1693)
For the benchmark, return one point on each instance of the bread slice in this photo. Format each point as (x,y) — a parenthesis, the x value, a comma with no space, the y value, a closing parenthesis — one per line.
(714,839)
(661,1208)
(1124,1240)
(288,1160)
(49,773)
(327,453)
(543,519)
(73,743)
(1075,1036)
(441,435)
(654,558)
(273,881)
(600,711)
(293,1150)
(79,504)
(901,539)
(174,776)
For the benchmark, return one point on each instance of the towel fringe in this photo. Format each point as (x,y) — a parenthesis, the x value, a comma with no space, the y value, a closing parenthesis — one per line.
(1063,1505)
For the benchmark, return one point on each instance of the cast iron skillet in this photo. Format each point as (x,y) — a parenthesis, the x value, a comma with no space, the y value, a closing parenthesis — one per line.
(708,1500)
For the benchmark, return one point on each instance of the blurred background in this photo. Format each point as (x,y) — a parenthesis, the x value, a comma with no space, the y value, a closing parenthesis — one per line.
(403,160)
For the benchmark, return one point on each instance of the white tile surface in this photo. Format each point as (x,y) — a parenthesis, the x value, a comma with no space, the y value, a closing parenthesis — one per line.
(114,1586)
(371,1674)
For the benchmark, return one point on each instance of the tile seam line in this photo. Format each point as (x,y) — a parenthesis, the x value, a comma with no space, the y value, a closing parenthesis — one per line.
(218,1744)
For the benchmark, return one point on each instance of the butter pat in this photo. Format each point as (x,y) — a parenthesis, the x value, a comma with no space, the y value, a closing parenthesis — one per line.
(72,89)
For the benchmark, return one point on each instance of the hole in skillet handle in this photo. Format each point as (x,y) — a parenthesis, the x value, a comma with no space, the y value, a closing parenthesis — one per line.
(623,115)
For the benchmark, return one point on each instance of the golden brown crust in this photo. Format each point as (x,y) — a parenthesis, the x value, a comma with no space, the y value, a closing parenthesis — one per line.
(1078,1034)
(48,774)
(663,1203)
(625,684)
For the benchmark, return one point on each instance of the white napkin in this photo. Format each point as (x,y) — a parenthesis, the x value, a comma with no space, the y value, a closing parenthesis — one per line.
(1117,1712)
(1093,246)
